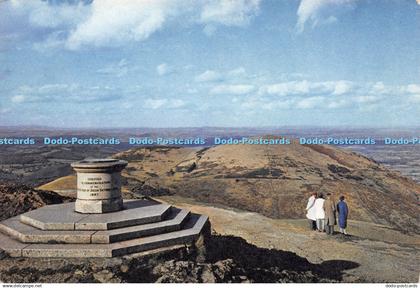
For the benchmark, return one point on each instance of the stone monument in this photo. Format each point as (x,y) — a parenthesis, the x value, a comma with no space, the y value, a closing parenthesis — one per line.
(100,223)
(99,185)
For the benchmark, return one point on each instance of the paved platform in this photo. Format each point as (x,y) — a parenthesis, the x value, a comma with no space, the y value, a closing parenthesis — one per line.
(63,216)
(29,234)
(142,226)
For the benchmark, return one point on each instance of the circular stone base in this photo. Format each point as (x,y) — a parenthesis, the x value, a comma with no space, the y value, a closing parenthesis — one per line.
(98,206)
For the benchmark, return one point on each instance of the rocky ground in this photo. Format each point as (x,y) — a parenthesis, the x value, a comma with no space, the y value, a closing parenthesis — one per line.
(16,199)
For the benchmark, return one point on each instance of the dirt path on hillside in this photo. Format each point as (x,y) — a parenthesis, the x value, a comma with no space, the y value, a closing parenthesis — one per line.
(384,254)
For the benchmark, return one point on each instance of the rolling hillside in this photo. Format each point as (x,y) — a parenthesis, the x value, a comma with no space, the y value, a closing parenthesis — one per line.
(274,181)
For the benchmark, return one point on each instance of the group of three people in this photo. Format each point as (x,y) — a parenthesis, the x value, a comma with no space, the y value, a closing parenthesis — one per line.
(321,213)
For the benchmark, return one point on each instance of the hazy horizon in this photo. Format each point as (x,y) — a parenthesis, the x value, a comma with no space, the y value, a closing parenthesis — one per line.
(290,127)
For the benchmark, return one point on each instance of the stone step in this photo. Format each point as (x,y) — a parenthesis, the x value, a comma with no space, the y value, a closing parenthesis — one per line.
(193,228)
(10,246)
(63,216)
(188,235)
(175,222)
(29,234)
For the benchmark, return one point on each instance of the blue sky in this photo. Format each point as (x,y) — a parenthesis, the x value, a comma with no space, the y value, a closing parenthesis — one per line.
(173,63)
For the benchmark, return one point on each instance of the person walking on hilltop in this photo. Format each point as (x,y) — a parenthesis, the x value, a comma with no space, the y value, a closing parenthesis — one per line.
(320,213)
(343,212)
(329,208)
(310,211)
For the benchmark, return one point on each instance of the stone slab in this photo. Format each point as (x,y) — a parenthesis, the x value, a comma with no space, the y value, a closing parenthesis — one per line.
(124,218)
(53,217)
(185,236)
(29,234)
(63,216)
(158,251)
(12,247)
(174,222)
(67,250)
(201,223)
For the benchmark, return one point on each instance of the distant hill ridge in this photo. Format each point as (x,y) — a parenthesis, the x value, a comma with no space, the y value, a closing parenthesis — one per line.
(275,180)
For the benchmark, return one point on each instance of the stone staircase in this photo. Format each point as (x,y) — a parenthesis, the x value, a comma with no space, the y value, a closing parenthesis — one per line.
(59,231)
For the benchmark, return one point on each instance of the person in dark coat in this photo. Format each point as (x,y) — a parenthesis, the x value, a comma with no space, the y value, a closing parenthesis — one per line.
(343,212)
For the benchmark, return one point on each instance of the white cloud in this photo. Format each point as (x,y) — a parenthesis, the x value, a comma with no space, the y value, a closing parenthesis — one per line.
(177,103)
(331,95)
(208,76)
(127,105)
(251,103)
(340,94)
(47,15)
(52,16)
(320,11)
(237,89)
(366,99)
(414,99)
(380,88)
(163,103)
(65,93)
(325,95)
(286,88)
(229,12)
(305,87)
(53,40)
(413,89)
(238,72)
(259,103)
(273,105)
(234,75)
(342,87)
(414,93)
(18,99)
(114,23)
(309,103)
(209,29)
(296,88)
(163,69)
(154,103)
(118,69)
(5,110)
(341,103)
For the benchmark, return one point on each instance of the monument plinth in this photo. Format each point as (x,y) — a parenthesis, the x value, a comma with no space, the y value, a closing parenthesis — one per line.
(99,185)
(83,229)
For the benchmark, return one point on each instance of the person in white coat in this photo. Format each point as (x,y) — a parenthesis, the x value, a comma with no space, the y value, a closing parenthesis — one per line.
(320,213)
(310,211)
